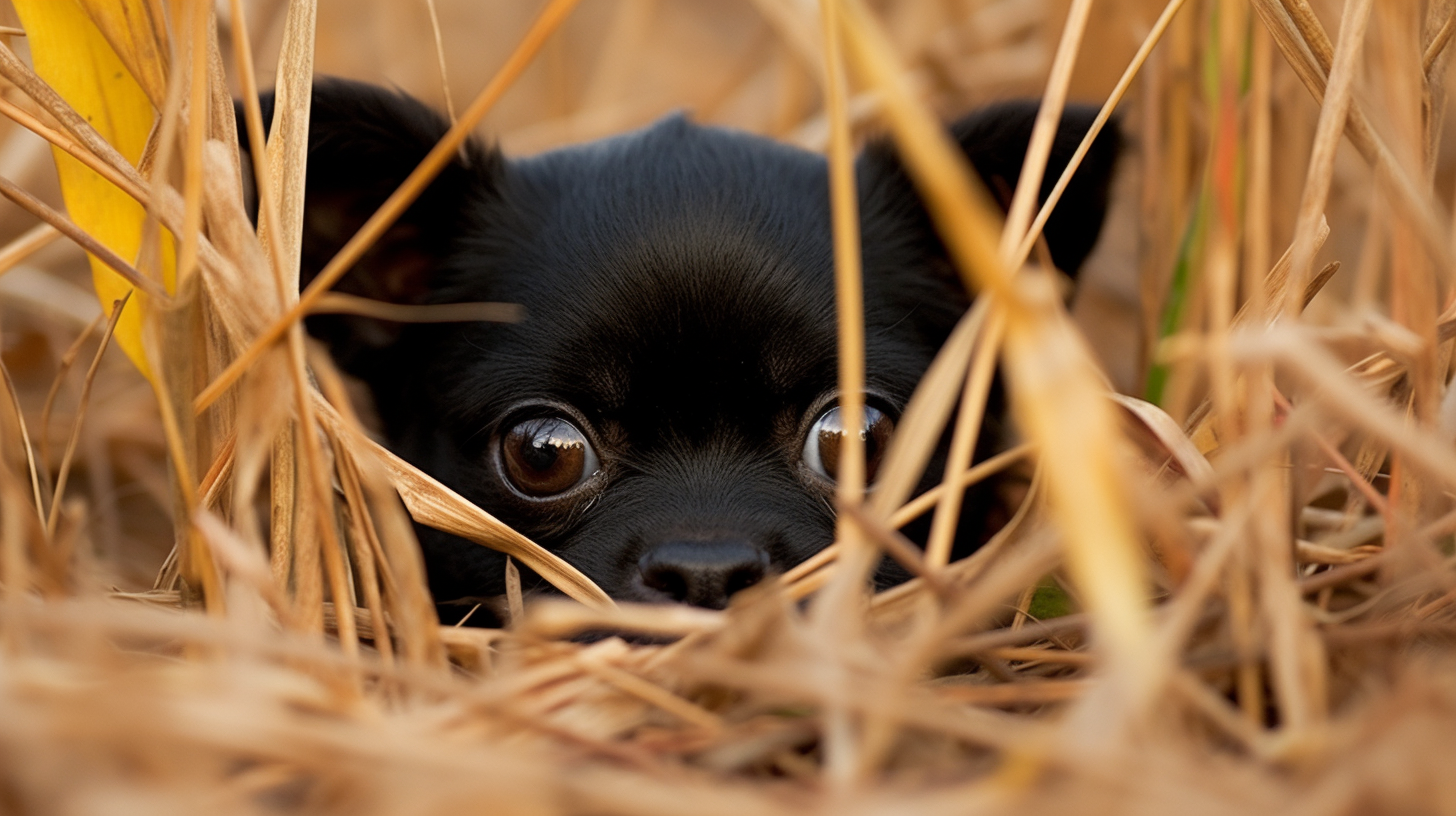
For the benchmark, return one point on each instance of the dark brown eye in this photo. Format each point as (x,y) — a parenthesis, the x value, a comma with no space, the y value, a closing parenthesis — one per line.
(821,448)
(547,456)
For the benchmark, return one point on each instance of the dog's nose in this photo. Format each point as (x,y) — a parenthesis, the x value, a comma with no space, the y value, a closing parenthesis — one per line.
(703,573)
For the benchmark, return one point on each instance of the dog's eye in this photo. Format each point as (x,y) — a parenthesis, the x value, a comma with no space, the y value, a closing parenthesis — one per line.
(821,449)
(547,456)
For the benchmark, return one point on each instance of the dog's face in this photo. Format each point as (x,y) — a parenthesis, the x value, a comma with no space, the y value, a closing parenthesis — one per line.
(665,416)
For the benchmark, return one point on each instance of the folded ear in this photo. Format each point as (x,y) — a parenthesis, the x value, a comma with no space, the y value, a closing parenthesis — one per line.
(363,142)
(995,140)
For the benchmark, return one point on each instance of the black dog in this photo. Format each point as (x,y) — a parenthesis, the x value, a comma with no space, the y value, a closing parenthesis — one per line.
(664,418)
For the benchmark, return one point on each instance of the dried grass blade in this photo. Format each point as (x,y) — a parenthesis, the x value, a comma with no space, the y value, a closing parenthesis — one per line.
(68,359)
(1332,120)
(895,545)
(963,442)
(14,560)
(287,153)
(27,244)
(63,474)
(199,16)
(1312,31)
(1413,201)
(14,399)
(930,498)
(218,472)
(1439,42)
(654,694)
(557,619)
(343,303)
(127,183)
(440,60)
(927,412)
(413,620)
(1044,131)
(363,544)
(66,227)
(834,610)
(1333,389)
(1028,242)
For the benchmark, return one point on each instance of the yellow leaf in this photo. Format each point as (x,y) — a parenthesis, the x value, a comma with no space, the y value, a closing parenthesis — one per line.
(137,31)
(70,53)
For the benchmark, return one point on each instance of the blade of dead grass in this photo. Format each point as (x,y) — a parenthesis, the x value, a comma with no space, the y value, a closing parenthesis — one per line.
(68,359)
(893,544)
(15,566)
(14,398)
(83,239)
(387,530)
(931,498)
(1343,397)
(199,17)
(912,509)
(27,244)
(444,151)
(343,303)
(963,442)
(1057,394)
(73,147)
(1439,42)
(286,157)
(283,487)
(280,170)
(835,606)
(1044,131)
(1028,242)
(653,694)
(1333,115)
(88,147)
(515,600)
(363,542)
(64,471)
(440,61)
(1258,200)
(927,412)
(1304,57)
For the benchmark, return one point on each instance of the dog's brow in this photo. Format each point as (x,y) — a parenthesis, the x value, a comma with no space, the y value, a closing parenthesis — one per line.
(608,385)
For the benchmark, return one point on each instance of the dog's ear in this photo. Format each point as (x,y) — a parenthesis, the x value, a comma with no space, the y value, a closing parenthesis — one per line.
(995,140)
(363,142)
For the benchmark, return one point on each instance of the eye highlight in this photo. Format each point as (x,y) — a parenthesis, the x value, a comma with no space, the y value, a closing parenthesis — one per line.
(822,446)
(547,456)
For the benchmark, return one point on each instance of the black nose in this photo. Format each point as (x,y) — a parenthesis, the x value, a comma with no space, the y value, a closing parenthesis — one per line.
(703,573)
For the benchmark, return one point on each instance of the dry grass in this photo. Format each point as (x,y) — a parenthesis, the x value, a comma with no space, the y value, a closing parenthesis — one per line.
(1230,590)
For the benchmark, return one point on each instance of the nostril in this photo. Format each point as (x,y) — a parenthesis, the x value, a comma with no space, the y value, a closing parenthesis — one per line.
(743,578)
(702,573)
(666,579)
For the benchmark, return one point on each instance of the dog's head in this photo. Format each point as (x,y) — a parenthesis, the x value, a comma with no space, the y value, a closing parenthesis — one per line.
(664,418)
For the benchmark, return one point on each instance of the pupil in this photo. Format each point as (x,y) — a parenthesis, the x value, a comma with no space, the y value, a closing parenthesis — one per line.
(541,451)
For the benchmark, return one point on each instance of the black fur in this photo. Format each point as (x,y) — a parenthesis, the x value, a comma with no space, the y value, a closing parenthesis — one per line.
(678,285)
